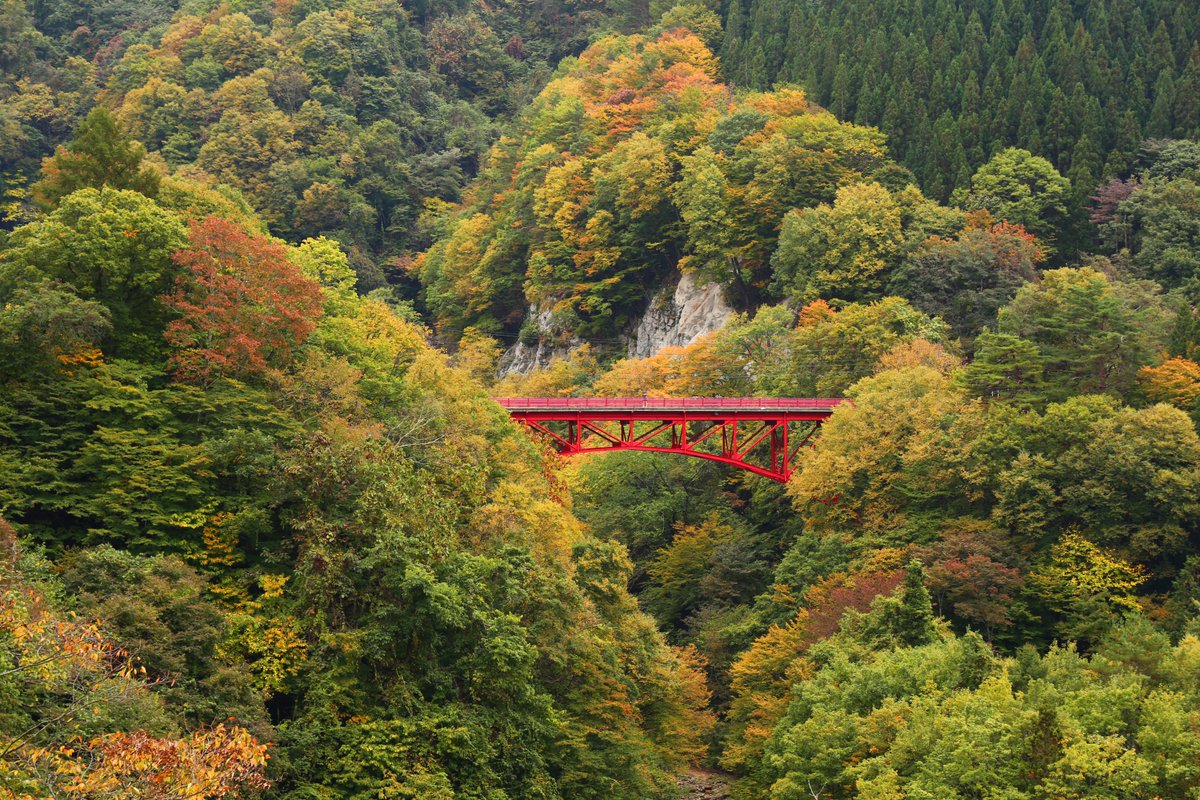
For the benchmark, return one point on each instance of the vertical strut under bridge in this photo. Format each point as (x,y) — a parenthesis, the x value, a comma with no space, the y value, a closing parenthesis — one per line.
(762,435)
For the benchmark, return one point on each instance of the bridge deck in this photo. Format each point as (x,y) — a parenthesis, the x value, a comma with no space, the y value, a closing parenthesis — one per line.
(762,435)
(726,406)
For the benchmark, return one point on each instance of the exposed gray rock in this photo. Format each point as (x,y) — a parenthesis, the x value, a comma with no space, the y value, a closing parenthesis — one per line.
(678,316)
(704,785)
(523,358)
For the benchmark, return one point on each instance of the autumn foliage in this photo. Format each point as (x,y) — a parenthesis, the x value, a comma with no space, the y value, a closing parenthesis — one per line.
(71,676)
(762,676)
(217,762)
(635,160)
(1175,381)
(266,514)
(243,306)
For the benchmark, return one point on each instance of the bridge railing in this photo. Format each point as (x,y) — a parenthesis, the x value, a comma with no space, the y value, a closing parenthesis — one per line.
(671,403)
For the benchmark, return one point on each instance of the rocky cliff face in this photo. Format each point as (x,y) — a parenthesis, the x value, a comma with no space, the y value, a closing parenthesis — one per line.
(524,358)
(678,315)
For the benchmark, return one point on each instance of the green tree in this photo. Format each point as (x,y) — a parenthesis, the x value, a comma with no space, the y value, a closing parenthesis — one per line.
(1005,367)
(43,326)
(113,246)
(159,609)
(1085,588)
(885,481)
(704,567)
(1018,187)
(1163,219)
(1093,334)
(967,279)
(702,198)
(829,351)
(99,156)
(904,619)
(1119,474)
(844,250)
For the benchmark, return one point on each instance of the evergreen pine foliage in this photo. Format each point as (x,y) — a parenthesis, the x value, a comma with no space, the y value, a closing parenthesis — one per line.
(99,156)
(953,83)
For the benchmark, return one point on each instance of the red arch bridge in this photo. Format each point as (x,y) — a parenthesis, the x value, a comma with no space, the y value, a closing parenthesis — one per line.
(759,434)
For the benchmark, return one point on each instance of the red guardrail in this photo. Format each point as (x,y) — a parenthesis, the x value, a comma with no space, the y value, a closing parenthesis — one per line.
(673,403)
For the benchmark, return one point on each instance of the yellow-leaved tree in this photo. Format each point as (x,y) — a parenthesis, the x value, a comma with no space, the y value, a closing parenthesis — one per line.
(67,690)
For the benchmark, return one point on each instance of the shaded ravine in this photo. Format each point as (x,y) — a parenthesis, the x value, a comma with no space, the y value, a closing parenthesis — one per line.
(703,785)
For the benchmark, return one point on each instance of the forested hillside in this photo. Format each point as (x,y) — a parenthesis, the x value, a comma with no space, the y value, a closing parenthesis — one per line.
(994,542)
(263,534)
(291,513)
(952,82)
(339,119)
(633,161)
(636,160)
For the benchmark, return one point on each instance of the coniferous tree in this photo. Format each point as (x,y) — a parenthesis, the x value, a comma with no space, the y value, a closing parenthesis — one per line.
(914,622)
(1046,74)
(99,156)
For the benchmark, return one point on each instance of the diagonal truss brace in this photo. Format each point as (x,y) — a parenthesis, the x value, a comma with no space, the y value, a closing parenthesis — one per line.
(768,450)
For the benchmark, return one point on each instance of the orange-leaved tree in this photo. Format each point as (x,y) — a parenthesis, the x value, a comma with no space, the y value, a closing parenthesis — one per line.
(66,694)
(244,307)
(762,677)
(1175,381)
(217,762)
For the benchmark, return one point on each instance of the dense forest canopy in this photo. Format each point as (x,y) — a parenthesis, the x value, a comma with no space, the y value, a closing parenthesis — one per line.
(951,82)
(633,161)
(255,477)
(337,119)
(263,534)
(775,198)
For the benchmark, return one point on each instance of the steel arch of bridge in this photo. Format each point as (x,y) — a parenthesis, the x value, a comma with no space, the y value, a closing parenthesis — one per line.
(762,435)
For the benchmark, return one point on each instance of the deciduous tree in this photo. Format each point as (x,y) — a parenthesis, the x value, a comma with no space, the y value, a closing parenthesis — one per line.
(1018,187)
(844,250)
(244,307)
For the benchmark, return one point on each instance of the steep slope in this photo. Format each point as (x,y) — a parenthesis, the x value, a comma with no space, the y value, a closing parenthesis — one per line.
(335,118)
(633,162)
(277,495)
(955,81)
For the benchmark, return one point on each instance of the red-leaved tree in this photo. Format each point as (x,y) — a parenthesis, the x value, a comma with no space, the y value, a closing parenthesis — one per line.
(244,308)
(971,573)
